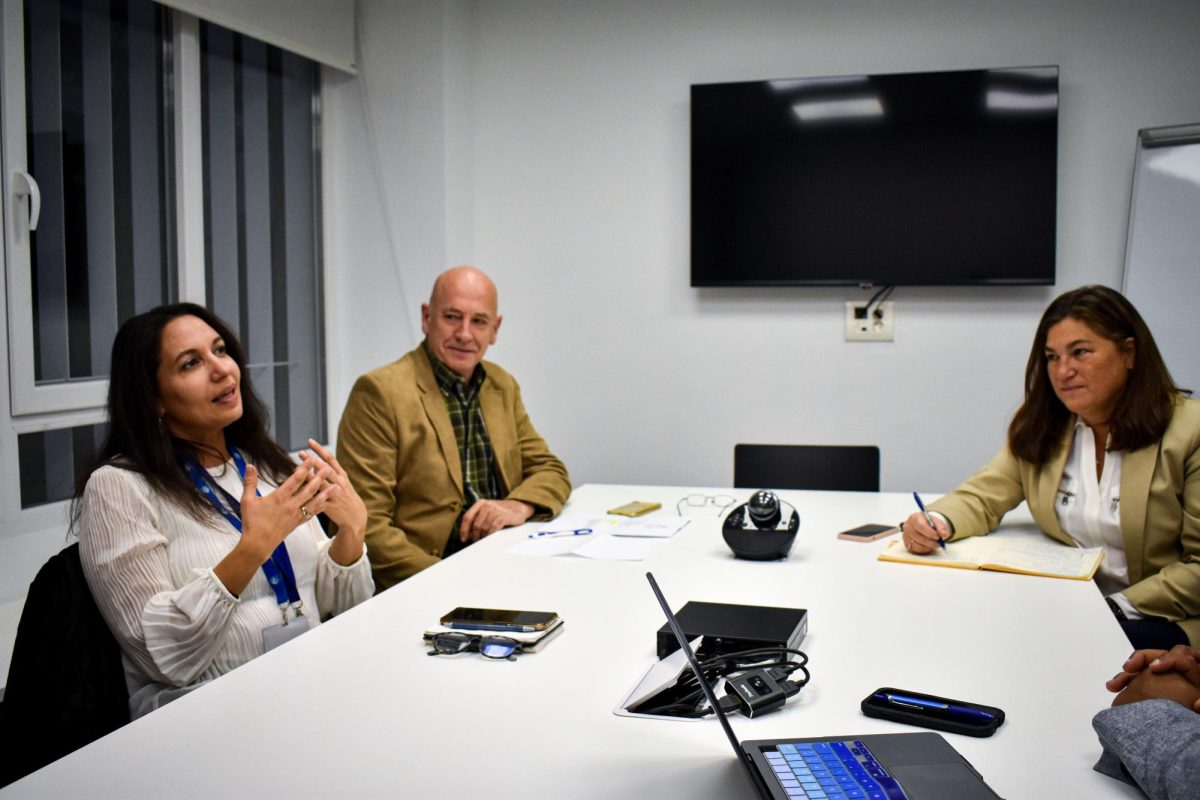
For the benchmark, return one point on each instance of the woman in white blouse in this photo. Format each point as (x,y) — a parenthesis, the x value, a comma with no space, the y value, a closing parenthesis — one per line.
(1106,451)
(197,532)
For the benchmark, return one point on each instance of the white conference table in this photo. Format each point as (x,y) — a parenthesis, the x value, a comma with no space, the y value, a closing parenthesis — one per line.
(356,709)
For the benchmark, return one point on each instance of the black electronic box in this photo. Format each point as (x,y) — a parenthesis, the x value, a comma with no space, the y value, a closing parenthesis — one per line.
(728,628)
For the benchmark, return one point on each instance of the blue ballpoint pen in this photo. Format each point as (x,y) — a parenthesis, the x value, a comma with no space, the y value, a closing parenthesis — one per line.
(929,519)
(568,532)
(921,704)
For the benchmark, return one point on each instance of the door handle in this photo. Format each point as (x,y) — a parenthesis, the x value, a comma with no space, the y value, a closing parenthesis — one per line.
(24,184)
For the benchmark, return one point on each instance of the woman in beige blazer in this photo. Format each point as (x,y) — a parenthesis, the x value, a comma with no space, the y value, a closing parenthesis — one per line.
(1106,452)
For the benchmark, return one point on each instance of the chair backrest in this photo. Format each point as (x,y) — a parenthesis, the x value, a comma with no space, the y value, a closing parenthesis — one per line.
(803,466)
(66,683)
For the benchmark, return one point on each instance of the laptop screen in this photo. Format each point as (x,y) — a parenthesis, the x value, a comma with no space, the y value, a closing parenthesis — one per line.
(709,693)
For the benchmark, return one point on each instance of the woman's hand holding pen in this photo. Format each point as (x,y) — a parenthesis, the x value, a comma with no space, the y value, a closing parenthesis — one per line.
(922,538)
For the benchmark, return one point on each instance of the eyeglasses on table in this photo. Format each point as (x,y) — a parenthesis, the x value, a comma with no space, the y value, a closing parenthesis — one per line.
(453,642)
(721,501)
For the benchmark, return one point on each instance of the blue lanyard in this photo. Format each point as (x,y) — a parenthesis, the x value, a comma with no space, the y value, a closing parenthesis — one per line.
(277,568)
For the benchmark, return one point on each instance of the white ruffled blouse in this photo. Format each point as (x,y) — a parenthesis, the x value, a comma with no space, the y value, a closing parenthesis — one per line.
(149,564)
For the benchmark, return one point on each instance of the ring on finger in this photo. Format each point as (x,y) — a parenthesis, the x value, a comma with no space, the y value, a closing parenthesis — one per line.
(305,512)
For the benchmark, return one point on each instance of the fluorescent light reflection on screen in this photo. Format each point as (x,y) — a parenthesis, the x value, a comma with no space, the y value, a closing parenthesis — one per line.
(1028,90)
(1018,100)
(820,84)
(865,107)
(837,99)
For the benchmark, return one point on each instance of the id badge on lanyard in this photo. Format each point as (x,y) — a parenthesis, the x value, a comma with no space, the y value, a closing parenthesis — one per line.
(277,568)
(285,631)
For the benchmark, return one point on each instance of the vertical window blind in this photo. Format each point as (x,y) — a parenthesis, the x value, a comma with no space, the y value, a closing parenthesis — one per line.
(261,220)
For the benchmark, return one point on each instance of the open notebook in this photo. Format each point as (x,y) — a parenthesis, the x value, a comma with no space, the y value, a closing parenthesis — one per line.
(1016,548)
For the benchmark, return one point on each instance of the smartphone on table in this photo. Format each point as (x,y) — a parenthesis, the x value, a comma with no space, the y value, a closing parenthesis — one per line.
(635,509)
(868,533)
(499,619)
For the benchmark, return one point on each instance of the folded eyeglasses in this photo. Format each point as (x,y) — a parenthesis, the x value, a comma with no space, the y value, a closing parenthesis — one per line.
(452,643)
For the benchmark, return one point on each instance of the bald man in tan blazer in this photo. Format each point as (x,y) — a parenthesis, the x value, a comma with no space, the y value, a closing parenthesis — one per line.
(402,452)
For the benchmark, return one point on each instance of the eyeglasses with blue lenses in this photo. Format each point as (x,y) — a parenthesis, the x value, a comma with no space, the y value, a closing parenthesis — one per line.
(452,643)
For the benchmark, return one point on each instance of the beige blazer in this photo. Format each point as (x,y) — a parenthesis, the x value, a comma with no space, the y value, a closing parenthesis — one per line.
(397,444)
(1160,513)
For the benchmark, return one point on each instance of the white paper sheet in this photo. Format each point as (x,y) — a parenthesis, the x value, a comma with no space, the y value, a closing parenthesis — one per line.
(655,526)
(562,536)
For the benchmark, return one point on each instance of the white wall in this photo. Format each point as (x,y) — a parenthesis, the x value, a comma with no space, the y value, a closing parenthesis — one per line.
(547,142)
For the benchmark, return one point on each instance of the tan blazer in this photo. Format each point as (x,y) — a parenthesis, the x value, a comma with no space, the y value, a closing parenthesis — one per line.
(1160,513)
(398,447)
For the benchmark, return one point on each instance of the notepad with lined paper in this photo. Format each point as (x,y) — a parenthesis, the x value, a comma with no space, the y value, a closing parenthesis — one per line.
(1022,549)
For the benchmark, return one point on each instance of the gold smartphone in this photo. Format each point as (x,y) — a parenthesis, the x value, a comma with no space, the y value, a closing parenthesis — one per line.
(635,509)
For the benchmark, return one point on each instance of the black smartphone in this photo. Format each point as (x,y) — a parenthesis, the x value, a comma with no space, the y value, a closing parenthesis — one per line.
(868,533)
(931,711)
(498,619)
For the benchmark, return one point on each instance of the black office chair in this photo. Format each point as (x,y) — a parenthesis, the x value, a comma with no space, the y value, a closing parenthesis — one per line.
(66,683)
(801,466)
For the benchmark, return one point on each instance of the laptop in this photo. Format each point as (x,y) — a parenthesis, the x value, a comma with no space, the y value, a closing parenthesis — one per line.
(888,766)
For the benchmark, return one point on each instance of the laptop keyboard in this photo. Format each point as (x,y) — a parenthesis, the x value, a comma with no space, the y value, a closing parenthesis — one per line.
(832,771)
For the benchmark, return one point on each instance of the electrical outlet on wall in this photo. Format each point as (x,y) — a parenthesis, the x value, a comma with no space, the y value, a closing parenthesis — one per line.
(875,327)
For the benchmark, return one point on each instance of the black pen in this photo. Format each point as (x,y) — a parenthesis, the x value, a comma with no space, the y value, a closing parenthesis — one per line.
(929,519)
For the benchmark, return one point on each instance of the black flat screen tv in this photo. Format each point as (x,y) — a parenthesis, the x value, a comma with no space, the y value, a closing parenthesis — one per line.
(917,179)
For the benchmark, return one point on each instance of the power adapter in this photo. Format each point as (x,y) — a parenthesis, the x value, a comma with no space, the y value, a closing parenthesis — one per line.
(758,692)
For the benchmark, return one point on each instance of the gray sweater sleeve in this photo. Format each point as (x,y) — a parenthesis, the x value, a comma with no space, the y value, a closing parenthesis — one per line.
(1154,744)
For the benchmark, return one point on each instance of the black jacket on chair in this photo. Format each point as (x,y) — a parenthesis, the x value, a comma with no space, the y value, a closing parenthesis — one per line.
(66,684)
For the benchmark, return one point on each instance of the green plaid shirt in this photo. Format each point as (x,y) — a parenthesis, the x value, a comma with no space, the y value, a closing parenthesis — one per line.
(474,447)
